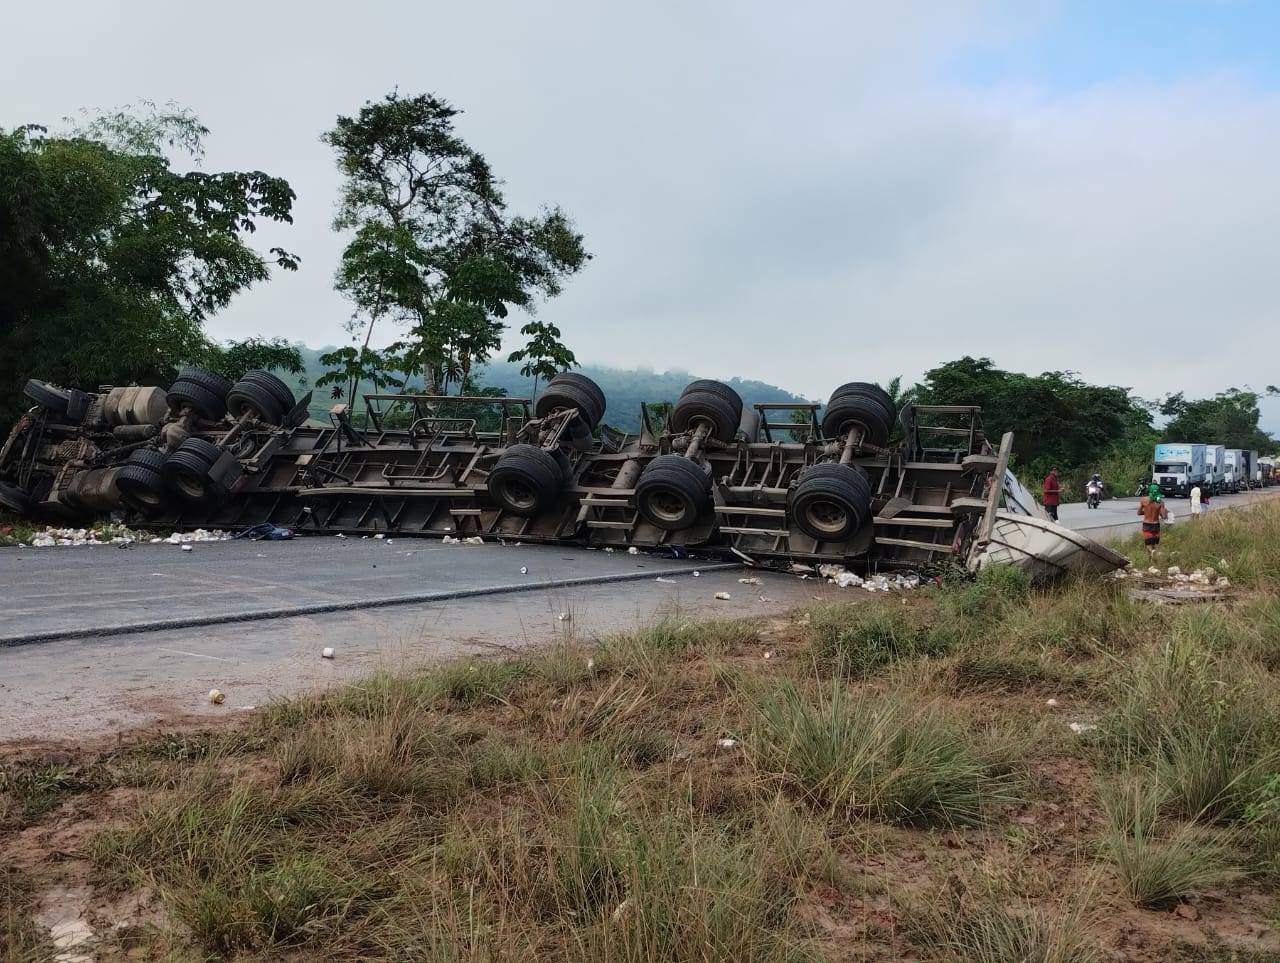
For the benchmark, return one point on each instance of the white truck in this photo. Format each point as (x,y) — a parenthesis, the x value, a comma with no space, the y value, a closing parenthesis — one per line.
(1178,467)
(1237,470)
(1215,463)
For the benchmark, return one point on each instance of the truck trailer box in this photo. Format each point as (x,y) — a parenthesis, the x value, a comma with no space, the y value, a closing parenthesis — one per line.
(1235,469)
(1178,467)
(1215,463)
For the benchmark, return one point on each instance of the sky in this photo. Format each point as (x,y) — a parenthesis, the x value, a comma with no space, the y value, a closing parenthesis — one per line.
(805,193)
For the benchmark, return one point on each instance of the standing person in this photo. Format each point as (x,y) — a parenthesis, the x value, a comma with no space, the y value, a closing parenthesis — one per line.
(1195,501)
(1152,510)
(1052,493)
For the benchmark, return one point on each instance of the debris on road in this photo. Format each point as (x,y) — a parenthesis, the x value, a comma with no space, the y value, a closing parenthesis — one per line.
(723,596)
(665,581)
(748,581)
(327,652)
(188,548)
(217,696)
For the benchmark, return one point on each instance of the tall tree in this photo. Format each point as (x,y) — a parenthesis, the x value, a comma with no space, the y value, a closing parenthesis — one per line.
(432,246)
(544,354)
(110,259)
(1229,418)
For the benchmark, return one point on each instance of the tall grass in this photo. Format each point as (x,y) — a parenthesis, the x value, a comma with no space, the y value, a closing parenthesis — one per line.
(1247,541)
(20,940)
(1160,863)
(880,755)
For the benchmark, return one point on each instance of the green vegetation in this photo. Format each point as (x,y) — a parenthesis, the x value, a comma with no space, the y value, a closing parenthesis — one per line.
(20,939)
(111,259)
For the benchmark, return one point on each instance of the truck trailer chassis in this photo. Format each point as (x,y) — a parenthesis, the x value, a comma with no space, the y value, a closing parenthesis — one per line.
(853,482)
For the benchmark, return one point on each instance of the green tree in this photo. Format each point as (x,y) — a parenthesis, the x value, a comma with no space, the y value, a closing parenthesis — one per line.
(110,259)
(1229,418)
(232,359)
(544,354)
(432,246)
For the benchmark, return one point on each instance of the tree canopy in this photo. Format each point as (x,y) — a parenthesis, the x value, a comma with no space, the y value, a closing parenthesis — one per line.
(111,259)
(432,245)
(1229,418)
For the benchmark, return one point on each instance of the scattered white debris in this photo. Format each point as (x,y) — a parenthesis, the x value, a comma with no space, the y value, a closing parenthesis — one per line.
(563,617)
(188,548)
(524,570)
(450,540)
(1051,702)
(1222,582)
(339,535)
(608,549)
(474,540)
(665,581)
(723,596)
(380,536)
(1173,570)
(765,598)
(633,550)
(42,540)
(770,654)
(726,743)
(591,665)
(1079,728)
(621,910)
(696,573)
(1153,570)
(748,581)
(327,652)
(217,696)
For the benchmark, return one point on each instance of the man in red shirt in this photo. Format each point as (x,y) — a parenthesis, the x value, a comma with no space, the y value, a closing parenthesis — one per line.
(1052,493)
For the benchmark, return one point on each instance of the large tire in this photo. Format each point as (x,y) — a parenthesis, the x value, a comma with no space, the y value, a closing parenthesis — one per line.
(856,411)
(585,383)
(141,481)
(255,399)
(673,493)
(14,499)
(831,502)
(279,390)
(579,436)
(187,472)
(206,379)
(702,407)
(561,394)
(715,388)
(206,404)
(47,396)
(869,390)
(526,480)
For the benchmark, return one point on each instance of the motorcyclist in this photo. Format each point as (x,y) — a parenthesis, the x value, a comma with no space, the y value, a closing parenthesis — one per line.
(1096,479)
(1094,489)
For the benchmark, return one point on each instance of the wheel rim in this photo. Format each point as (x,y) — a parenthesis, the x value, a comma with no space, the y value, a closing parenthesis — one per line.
(142,496)
(826,516)
(667,505)
(518,494)
(192,488)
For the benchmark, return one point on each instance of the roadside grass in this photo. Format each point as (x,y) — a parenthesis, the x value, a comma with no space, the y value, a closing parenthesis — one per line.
(1248,542)
(979,919)
(672,794)
(21,941)
(1160,861)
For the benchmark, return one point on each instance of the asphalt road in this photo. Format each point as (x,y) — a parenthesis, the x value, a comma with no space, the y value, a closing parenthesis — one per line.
(251,618)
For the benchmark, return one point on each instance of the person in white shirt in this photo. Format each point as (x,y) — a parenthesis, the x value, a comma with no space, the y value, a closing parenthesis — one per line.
(1195,502)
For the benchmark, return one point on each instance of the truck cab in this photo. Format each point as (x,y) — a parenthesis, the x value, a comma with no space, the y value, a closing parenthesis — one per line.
(1177,468)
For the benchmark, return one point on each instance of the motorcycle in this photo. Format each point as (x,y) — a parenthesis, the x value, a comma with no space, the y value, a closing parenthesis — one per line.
(1093,492)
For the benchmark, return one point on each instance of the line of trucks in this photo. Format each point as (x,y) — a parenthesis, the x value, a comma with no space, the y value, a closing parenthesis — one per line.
(1178,467)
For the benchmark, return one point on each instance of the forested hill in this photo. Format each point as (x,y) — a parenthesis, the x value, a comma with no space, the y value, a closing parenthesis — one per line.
(624,388)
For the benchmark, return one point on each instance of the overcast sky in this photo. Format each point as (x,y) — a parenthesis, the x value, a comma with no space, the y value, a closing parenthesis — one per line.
(804,193)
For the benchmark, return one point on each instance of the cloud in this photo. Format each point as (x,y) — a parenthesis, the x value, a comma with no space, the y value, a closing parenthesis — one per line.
(805,198)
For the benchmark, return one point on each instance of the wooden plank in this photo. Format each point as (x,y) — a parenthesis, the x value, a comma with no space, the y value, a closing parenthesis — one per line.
(909,543)
(918,522)
(997,487)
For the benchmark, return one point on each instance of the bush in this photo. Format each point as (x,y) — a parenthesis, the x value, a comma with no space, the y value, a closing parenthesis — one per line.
(860,638)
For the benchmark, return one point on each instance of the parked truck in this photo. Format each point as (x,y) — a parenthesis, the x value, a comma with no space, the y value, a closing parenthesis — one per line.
(1255,470)
(1179,467)
(1215,463)
(1237,470)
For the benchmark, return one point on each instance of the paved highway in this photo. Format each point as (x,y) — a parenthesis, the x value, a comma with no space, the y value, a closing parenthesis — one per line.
(251,618)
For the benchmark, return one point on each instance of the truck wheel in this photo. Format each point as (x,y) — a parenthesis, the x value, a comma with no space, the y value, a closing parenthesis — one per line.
(673,493)
(282,393)
(868,390)
(526,480)
(831,502)
(696,408)
(205,403)
(14,499)
(187,472)
(715,388)
(47,396)
(563,393)
(141,481)
(586,384)
(255,399)
(850,411)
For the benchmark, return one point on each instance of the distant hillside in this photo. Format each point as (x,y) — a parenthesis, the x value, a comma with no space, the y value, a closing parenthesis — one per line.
(624,388)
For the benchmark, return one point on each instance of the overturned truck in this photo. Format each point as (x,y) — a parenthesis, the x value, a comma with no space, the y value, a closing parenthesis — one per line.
(856,481)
